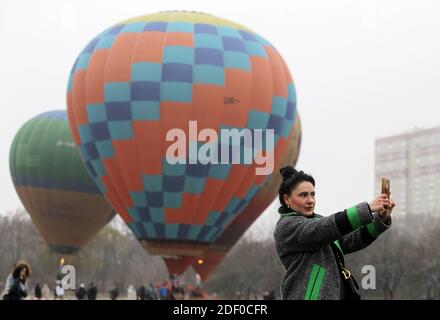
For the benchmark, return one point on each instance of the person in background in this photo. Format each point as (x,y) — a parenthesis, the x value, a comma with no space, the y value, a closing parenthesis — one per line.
(178,291)
(269,295)
(16,282)
(37,292)
(92,292)
(142,293)
(114,293)
(81,293)
(163,291)
(45,292)
(131,293)
(59,290)
(151,292)
(198,281)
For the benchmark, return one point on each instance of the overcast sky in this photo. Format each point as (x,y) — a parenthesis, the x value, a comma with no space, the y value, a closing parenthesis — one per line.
(362,70)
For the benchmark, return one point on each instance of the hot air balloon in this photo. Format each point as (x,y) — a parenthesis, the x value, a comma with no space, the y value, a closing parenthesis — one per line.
(139,80)
(65,204)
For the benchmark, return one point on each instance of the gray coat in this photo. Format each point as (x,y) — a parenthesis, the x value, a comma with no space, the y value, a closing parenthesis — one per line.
(304,243)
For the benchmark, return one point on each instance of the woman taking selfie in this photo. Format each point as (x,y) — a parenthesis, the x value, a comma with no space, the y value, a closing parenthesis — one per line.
(312,247)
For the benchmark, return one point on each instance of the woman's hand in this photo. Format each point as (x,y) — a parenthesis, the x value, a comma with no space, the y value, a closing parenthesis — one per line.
(380,203)
(385,215)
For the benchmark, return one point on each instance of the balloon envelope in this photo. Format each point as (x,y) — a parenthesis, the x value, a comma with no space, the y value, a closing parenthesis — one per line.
(140,79)
(64,203)
(217,251)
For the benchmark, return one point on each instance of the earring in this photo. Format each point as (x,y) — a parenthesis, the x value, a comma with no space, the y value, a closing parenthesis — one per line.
(288,206)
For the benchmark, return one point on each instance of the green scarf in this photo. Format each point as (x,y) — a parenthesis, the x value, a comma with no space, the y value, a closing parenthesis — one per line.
(287,212)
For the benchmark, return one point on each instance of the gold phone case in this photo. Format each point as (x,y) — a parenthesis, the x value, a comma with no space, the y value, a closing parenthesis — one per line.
(386,186)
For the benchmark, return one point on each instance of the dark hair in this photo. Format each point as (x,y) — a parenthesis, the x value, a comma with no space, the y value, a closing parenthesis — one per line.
(19,266)
(291,178)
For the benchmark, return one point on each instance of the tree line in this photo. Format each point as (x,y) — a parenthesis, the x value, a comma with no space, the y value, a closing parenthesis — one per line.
(406,259)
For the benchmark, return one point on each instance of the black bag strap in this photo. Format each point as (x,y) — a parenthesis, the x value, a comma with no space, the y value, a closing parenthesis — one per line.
(340,262)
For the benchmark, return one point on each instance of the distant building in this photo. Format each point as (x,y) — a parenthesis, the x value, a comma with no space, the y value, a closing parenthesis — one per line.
(412,161)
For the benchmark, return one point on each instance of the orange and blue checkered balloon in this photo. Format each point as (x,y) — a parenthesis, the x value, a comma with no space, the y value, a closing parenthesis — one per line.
(140,78)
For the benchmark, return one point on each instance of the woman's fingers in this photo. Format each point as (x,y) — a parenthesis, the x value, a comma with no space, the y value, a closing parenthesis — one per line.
(384,203)
(389,210)
(380,203)
(393,204)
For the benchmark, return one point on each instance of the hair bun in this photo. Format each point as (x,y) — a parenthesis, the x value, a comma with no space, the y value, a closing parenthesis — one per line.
(287,172)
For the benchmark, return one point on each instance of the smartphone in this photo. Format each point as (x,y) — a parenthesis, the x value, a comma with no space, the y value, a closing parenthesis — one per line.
(386,186)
